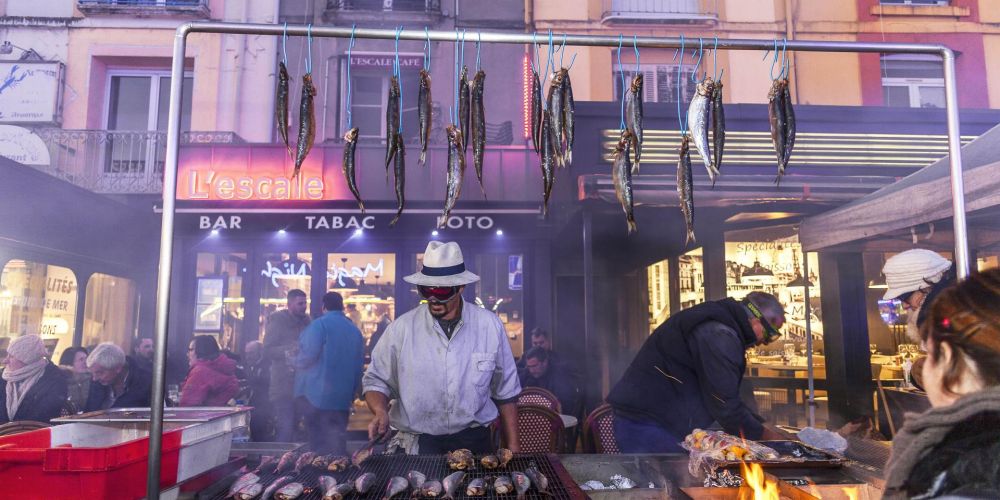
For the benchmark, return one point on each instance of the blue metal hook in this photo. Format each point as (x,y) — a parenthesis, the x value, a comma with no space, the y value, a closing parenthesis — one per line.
(715,60)
(621,73)
(635,45)
(284,44)
(350,46)
(309,60)
(681,121)
(427,50)
(697,65)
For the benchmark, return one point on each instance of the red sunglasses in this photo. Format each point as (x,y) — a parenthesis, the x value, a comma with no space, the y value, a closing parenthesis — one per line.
(437,293)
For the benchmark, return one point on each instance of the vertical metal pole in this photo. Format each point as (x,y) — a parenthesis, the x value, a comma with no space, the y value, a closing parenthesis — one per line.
(955,157)
(811,402)
(166,262)
(588,292)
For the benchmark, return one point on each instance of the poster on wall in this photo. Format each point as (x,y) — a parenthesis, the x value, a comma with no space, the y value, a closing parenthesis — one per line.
(208,304)
(58,308)
(515,272)
(31,92)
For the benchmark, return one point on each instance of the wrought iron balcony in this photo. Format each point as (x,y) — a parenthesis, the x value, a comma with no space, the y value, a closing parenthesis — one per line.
(376,10)
(659,11)
(111,161)
(190,8)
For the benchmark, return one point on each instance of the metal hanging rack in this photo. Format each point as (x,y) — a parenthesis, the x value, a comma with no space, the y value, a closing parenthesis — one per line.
(173,142)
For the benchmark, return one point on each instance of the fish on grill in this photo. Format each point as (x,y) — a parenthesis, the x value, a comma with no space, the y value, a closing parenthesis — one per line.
(452,483)
(416,479)
(431,489)
(249,491)
(290,491)
(391,124)
(424,114)
(536,112)
(396,486)
(364,482)
(503,485)
(478,126)
(569,118)
(718,127)
(275,486)
(338,492)
(521,484)
(456,174)
(399,179)
(476,487)
(338,464)
(505,456)
(321,461)
(286,462)
(776,119)
(361,454)
(281,105)
(326,482)
(538,479)
(242,481)
(307,123)
(621,177)
(489,462)
(267,463)
(464,99)
(304,460)
(698,115)
(633,118)
(685,188)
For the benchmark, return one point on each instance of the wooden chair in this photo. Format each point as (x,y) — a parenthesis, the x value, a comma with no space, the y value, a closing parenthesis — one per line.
(539,429)
(538,396)
(21,426)
(599,431)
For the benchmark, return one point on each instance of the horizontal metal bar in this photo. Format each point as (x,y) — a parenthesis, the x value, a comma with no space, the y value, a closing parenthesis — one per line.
(577,40)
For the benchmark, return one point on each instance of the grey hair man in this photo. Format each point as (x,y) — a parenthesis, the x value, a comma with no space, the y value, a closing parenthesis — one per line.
(119,380)
(688,374)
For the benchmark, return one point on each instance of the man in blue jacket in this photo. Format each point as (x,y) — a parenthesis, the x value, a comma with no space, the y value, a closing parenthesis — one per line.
(688,374)
(328,369)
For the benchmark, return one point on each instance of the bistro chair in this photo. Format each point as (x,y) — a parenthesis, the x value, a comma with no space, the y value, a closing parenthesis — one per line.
(538,396)
(898,403)
(599,431)
(68,409)
(20,426)
(539,429)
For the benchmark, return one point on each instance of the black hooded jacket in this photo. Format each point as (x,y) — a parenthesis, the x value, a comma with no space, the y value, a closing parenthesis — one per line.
(688,372)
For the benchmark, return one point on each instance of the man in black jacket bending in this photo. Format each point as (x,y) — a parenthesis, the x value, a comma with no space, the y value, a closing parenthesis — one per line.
(688,373)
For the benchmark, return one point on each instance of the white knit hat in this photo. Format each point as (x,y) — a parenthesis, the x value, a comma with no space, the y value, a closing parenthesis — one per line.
(27,349)
(912,270)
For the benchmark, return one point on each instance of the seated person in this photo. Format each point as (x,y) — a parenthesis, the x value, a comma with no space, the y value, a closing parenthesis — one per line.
(538,371)
(31,387)
(119,381)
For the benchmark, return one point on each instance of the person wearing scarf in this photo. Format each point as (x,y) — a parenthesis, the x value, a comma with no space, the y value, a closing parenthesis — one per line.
(31,388)
(953,449)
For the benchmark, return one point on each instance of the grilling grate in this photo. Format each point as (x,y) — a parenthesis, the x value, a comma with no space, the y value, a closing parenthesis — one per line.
(561,486)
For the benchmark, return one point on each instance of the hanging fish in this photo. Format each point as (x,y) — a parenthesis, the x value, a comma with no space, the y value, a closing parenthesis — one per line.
(456,168)
(307,123)
(568,111)
(698,114)
(555,110)
(633,118)
(685,188)
(548,160)
(786,100)
(621,177)
(718,127)
(399,176)
(463,107)
(424,112)
(536,112)
(281,106)
(478,127)
(350,144)
(776,119)
(391,124)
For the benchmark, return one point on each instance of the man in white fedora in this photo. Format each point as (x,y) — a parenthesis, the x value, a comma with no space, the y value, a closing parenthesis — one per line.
(446,366)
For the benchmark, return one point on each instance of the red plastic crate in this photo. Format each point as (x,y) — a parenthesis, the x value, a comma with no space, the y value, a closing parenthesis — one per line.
(82,461)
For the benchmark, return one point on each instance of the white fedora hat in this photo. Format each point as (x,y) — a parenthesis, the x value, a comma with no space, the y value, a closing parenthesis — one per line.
(912,270)
(443,266)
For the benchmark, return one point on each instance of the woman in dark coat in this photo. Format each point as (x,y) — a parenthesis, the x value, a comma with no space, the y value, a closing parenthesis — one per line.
(953,449)
(31,388)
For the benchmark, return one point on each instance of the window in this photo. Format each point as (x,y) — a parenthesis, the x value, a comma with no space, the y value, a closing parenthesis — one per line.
(913,2)
(912,81)
(38,299)
(111,311)
(692,278)
(659,82)
(280,273)
(658,281)
(219,298)
(370,94)
(367,283)
(501,289)
(137,105)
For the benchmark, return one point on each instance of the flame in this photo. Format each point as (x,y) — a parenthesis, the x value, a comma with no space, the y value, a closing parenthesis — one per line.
(851,493)
(754,478)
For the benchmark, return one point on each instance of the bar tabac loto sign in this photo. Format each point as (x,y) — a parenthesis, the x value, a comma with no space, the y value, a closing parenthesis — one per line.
(253,174)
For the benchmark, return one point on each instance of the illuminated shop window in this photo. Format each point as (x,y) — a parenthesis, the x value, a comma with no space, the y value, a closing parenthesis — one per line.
(280,273)
(501,289)
(691,268)
(219,299)
(111,311)
(658,281)
(37,299)
(367,281)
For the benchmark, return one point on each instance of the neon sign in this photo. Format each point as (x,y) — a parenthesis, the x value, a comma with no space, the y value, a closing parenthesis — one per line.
(287,270)
(354,272)
(212,185)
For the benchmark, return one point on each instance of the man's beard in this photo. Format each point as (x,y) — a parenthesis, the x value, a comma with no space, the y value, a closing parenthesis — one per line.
(912,330)
(438,315)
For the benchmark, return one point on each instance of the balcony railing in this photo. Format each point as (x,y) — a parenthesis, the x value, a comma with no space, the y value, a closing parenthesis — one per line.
(109,161)
(658,11)
(195,8)
(385,5)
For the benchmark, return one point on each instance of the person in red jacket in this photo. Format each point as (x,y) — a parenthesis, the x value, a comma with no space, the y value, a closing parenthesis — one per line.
(212,379)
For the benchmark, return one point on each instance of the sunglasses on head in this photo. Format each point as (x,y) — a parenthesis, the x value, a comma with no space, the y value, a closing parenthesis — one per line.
(437,293)
(770,333)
